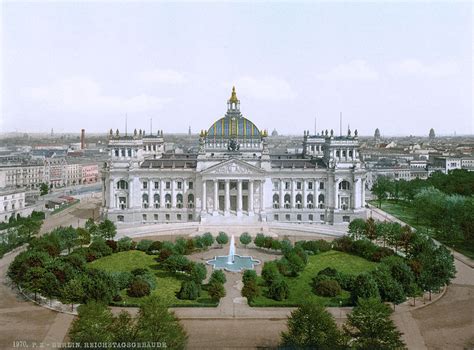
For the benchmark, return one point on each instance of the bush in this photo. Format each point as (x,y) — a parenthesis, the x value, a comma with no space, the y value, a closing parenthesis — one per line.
(112,244)
(328,271)
(117,298)
(189,290)
(245,239)
(164,254)
(251,290)
(138,288)
(218,276)
(382,252)
(343,244)
(190,246)
(216,291)
(259,240)
(121,279)
(318,246)
(155,246)
(176,263)
(278,289)
(207,239)
(249,275)
(364,287)
(346,281)
(144,245)
(198,272)
(222,238)
(364,248)
(180,246)
(270,272)
(328,288)
(124,244)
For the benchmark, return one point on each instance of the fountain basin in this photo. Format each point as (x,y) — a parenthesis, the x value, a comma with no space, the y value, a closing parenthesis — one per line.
(239,263)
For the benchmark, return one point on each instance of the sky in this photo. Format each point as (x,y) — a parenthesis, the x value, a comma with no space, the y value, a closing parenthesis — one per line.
(401,67)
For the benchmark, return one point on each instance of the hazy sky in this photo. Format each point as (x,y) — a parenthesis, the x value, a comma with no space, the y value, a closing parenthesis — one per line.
(397,66)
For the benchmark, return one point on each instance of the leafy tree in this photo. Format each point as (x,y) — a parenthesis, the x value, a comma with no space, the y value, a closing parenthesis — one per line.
(389,289)
(198,272)
(83,236)
(176,263)
(68,237)
(286,246)
(179,247)
(124,244)
(44,189)
(259,240)
(327,288)
(92,227)
(73,292)
(400,271)
(370,327)
(312,327)
(156,324)
(216,291)
(218,276)
(222,238)
(189,290)
(50,286)
(245,239)
(107,229)
(357,228)
(92,324)
(364,286)
(270,272)
(370,229)
(138,288)
(249,275)
(295,263)
(144,245)
(251,290)
(100,248)
(207,239)
(33,280)
(381,188)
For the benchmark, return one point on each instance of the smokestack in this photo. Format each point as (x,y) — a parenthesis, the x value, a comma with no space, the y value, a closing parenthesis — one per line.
(83,134)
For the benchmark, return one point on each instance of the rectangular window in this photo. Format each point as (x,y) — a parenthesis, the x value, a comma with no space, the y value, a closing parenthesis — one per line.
(298,185)
(321,217)
(155,217)
(310,185)
(276,185)
(310,217)
(221,185)
(120,218)
(145,185)
(321,185)
(275,217)
(168,185)
(178,216)
(245,185)
(190,185)
(144,217)
(287,185)
(298,217)
(287,217)
(346,218)
(157,185)
(167,217)
(190,217)
(179,185)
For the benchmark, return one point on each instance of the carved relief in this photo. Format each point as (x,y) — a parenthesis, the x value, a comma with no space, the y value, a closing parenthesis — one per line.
(232,169)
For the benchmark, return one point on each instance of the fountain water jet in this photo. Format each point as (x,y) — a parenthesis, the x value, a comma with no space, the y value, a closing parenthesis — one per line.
(230,257)
(233,262)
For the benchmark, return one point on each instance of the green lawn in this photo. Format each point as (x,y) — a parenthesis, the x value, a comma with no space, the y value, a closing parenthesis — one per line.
(405,212)
(300,287)
(167,283)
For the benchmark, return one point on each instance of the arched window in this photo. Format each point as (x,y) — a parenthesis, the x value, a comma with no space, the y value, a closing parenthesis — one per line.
(287,201)
(276,201)
(168,200)
(338,153)
(310,201)
(179,200)
(344,185)
(145,200)
(299,199)
(190,200)
(321,201)
(156,200)
(122,185)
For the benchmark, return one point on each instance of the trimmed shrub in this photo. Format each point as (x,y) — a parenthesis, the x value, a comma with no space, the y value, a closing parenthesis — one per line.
(245,239)
(216,291)
(155,246)
(189,290)
(278,289)
(343,244)
(207,239)
(249,275)
(251,290)
(218,276)
(328,271)
(121,279)
(138,288)
(270,272)
(144,245)
(222,238)
(124,244)
(327,288)
(177,263)
(198,272)
(259,240)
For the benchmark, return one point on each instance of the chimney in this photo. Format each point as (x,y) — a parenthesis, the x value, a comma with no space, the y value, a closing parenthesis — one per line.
(83,134)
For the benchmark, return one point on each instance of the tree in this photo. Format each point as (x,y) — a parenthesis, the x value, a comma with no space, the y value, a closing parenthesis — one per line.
(370,327)
(270,272)
(176,263)
(189,290)
(73,292)
(92,324)
(249,275)
(83,236)
(245,239)
(364,286)
(389,289)
(259,240)
(107,229)
(327,288)
(91,227)
(370,229)
(49,285)
(357,228)
(312,327)
(400,271)
(68,237)
(251,290)
(222,238)
(138,288)
(207,239)
(218,276)
(380,188)
(33,280)
(437,268)
(156,324)
(198,272)
(216,291)
(279,289)
(44,189)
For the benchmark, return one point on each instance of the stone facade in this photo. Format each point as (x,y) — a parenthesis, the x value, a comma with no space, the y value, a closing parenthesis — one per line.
(234,178)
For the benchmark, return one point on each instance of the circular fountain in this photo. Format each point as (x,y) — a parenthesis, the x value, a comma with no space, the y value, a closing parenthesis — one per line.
(233,262)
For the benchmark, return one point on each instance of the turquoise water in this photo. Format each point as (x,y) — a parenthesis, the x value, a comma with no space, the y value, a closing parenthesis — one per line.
(240,263)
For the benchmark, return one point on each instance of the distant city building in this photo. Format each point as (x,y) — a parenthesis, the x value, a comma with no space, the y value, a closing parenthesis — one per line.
(432,134)
(234,177)
(274,132)
(377,134)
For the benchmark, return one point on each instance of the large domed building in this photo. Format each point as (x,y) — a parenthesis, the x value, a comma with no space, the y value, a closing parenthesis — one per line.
(234,177)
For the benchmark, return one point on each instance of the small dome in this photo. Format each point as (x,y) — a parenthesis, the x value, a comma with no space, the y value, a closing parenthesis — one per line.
(233,127)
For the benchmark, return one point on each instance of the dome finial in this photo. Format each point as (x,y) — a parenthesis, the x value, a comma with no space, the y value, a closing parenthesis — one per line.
(233,97)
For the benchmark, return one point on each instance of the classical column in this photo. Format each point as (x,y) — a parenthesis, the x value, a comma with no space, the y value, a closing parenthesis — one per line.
(111,193)
(162,199)
(293,199)
(262,206)
(336,194)
(130,194)
(282,201)
(227,197)
(362,202)
(304,194)
(173,195)
(316,194)
(204,195)
(150,195)
(216,198)
(250,198)
(239,197)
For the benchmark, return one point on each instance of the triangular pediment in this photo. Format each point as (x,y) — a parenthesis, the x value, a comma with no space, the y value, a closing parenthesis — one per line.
(233,167)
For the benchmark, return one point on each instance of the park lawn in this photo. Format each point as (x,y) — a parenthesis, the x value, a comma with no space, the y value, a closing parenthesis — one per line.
(300,287)
(405,212)
(167,284)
